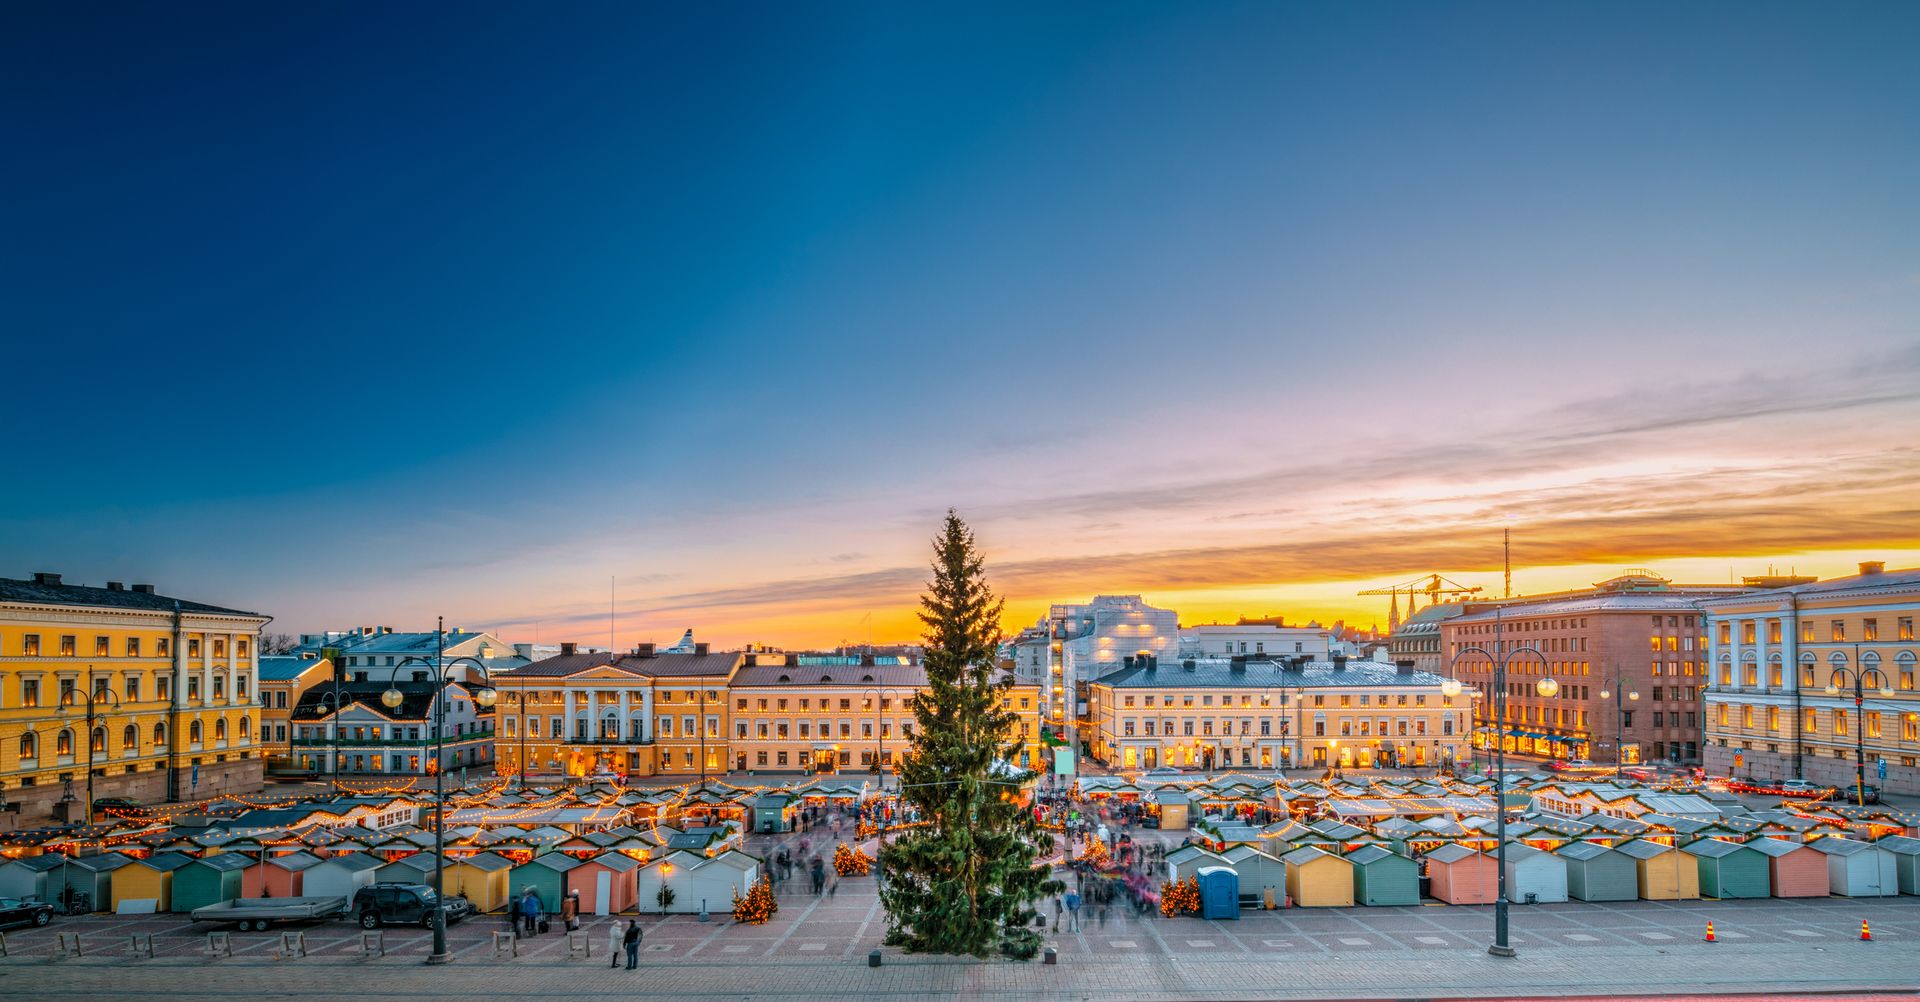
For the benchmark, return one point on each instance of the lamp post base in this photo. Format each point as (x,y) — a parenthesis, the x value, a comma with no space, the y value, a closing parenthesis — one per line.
(1501,951)
(440,958)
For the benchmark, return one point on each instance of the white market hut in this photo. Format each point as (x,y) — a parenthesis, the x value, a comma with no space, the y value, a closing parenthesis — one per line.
(694,878)
(1535,876)
(340,876)
(1859,869)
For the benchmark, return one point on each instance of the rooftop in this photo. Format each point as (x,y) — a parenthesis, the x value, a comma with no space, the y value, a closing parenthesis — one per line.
(47,589)
(1863,584)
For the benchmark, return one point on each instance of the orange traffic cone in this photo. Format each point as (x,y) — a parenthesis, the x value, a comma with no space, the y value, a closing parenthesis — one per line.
(1710,937)
(1866,934)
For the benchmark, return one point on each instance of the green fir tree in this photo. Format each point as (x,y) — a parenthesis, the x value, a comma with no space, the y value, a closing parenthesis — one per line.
(966,882)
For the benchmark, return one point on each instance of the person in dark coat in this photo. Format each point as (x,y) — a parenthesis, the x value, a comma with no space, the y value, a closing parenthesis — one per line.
(632,942)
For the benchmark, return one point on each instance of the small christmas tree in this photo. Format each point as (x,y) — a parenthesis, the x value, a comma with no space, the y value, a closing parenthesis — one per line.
(759,904)
(1095,853)
(1183,898)
(851,862)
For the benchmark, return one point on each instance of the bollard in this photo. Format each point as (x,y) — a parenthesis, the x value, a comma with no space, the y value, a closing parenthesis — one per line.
(579,946)
(62,949)
(3,945)
(139,946)
(1051,956)
(506,942)
(873,958)
(373,944)
(219,944)
(292,944)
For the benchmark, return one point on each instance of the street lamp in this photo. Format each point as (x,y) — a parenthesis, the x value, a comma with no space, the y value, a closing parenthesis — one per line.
(392,698)
(1546,687)
(1858,677)
(879,696)
(92,696)
(1629,695)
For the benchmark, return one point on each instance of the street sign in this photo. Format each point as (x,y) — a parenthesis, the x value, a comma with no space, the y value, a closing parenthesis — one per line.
(1739,760)
(196,775)
(1883,768)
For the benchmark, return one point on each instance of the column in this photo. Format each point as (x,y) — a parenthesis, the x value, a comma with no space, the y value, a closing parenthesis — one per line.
(646,714)
(626,712)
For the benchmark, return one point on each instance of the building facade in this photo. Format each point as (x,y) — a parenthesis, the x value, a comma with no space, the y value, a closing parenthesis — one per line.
(1076,643)
(1246,713)
(1775,651)
(347,730)
(1417,638)
(1256,640)
(1628,655)
(283,679)
(171,684)
(638,714)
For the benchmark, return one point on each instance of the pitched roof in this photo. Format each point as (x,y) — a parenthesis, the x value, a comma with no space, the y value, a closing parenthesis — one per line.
(849,675)
(643,666)
(280,668)
(354,861)
(36,593)
(223,861)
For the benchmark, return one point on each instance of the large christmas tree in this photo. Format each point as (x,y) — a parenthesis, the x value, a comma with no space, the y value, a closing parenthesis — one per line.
(965,882)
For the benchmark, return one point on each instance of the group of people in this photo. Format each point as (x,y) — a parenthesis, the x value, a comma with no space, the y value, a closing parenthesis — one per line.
(812,866)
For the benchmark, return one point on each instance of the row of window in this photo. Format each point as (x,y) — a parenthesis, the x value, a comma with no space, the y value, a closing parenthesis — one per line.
(69,646)
(129,738)
(68,691)
(1809,672)
(1402,726)
(1266,699)
(1836,630)
(1841,721)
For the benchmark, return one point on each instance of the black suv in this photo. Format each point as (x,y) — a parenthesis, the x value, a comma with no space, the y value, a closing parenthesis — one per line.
(404,904)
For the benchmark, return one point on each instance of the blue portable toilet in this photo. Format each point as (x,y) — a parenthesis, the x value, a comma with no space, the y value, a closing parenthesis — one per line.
(1219,892)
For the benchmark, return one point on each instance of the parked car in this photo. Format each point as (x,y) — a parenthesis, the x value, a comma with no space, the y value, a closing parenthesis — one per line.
(404,904)
(14,911)
(115,804)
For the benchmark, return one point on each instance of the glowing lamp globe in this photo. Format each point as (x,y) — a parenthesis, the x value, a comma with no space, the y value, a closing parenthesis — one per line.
(1546,686)
(486,697)
(1633,694)
(391,698)
(1450,688)
(1833,689)
(1605,693)
(1886,691)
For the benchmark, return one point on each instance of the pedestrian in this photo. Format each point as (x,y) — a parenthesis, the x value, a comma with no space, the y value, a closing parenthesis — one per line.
(1073,911)
(613,944)
(1057,909)
(632,941)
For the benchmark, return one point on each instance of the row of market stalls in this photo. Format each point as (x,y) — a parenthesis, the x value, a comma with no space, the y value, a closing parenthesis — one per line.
(609,848)
(1381,843)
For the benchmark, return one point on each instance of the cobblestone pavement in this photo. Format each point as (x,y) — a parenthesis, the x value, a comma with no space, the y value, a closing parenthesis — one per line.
(817,946)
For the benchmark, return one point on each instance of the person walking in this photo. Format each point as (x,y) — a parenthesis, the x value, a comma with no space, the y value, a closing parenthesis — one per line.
(1073,911)
(632,941)
(530,911)
(1057,909)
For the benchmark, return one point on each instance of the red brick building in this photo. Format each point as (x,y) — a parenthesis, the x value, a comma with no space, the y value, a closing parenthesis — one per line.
(1629,655)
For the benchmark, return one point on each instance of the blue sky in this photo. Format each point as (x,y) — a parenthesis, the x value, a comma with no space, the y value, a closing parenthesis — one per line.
(361,314)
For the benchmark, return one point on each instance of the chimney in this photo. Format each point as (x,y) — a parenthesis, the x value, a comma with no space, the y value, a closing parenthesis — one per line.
(45,578)
(366,631)
(753,660)
(1866,567)
(793,661)
(1339,662)
(568,648)
(1404,667)
(389,629)
(866,660)
(700,649)
(644,650)
(116,586)
(1238,663)
(144,589)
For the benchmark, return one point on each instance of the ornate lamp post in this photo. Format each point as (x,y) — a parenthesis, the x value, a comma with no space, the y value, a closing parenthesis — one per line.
(1628,694)
(879,696)
(1500,658)
(392,698)
(1857,676)
(93,697)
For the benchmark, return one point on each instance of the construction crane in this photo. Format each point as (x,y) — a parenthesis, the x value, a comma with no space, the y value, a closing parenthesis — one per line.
(1433,585)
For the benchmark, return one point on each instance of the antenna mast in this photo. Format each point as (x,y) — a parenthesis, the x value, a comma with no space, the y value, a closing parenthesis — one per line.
(1506,559)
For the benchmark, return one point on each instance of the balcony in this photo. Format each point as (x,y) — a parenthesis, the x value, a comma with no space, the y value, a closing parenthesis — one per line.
(348,741)
(633,741)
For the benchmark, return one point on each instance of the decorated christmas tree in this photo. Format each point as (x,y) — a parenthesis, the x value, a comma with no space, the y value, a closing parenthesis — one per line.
(851,862)
(1183,898)
(759,904)
(966,881)
(1095,852)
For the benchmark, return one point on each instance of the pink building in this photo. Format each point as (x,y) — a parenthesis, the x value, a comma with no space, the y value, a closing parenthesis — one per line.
(1462,876)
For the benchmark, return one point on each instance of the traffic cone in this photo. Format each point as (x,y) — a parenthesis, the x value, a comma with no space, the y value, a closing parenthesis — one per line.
(1710,937)
(1866,934)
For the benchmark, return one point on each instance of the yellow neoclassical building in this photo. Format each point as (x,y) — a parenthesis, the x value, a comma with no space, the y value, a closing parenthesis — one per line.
(170,684)
(657,714)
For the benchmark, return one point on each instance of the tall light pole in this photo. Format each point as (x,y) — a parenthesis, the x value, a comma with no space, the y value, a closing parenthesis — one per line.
(1627,695)
(484,696)
(92,697)
(879,695)
(1499,658)
(1858,676)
